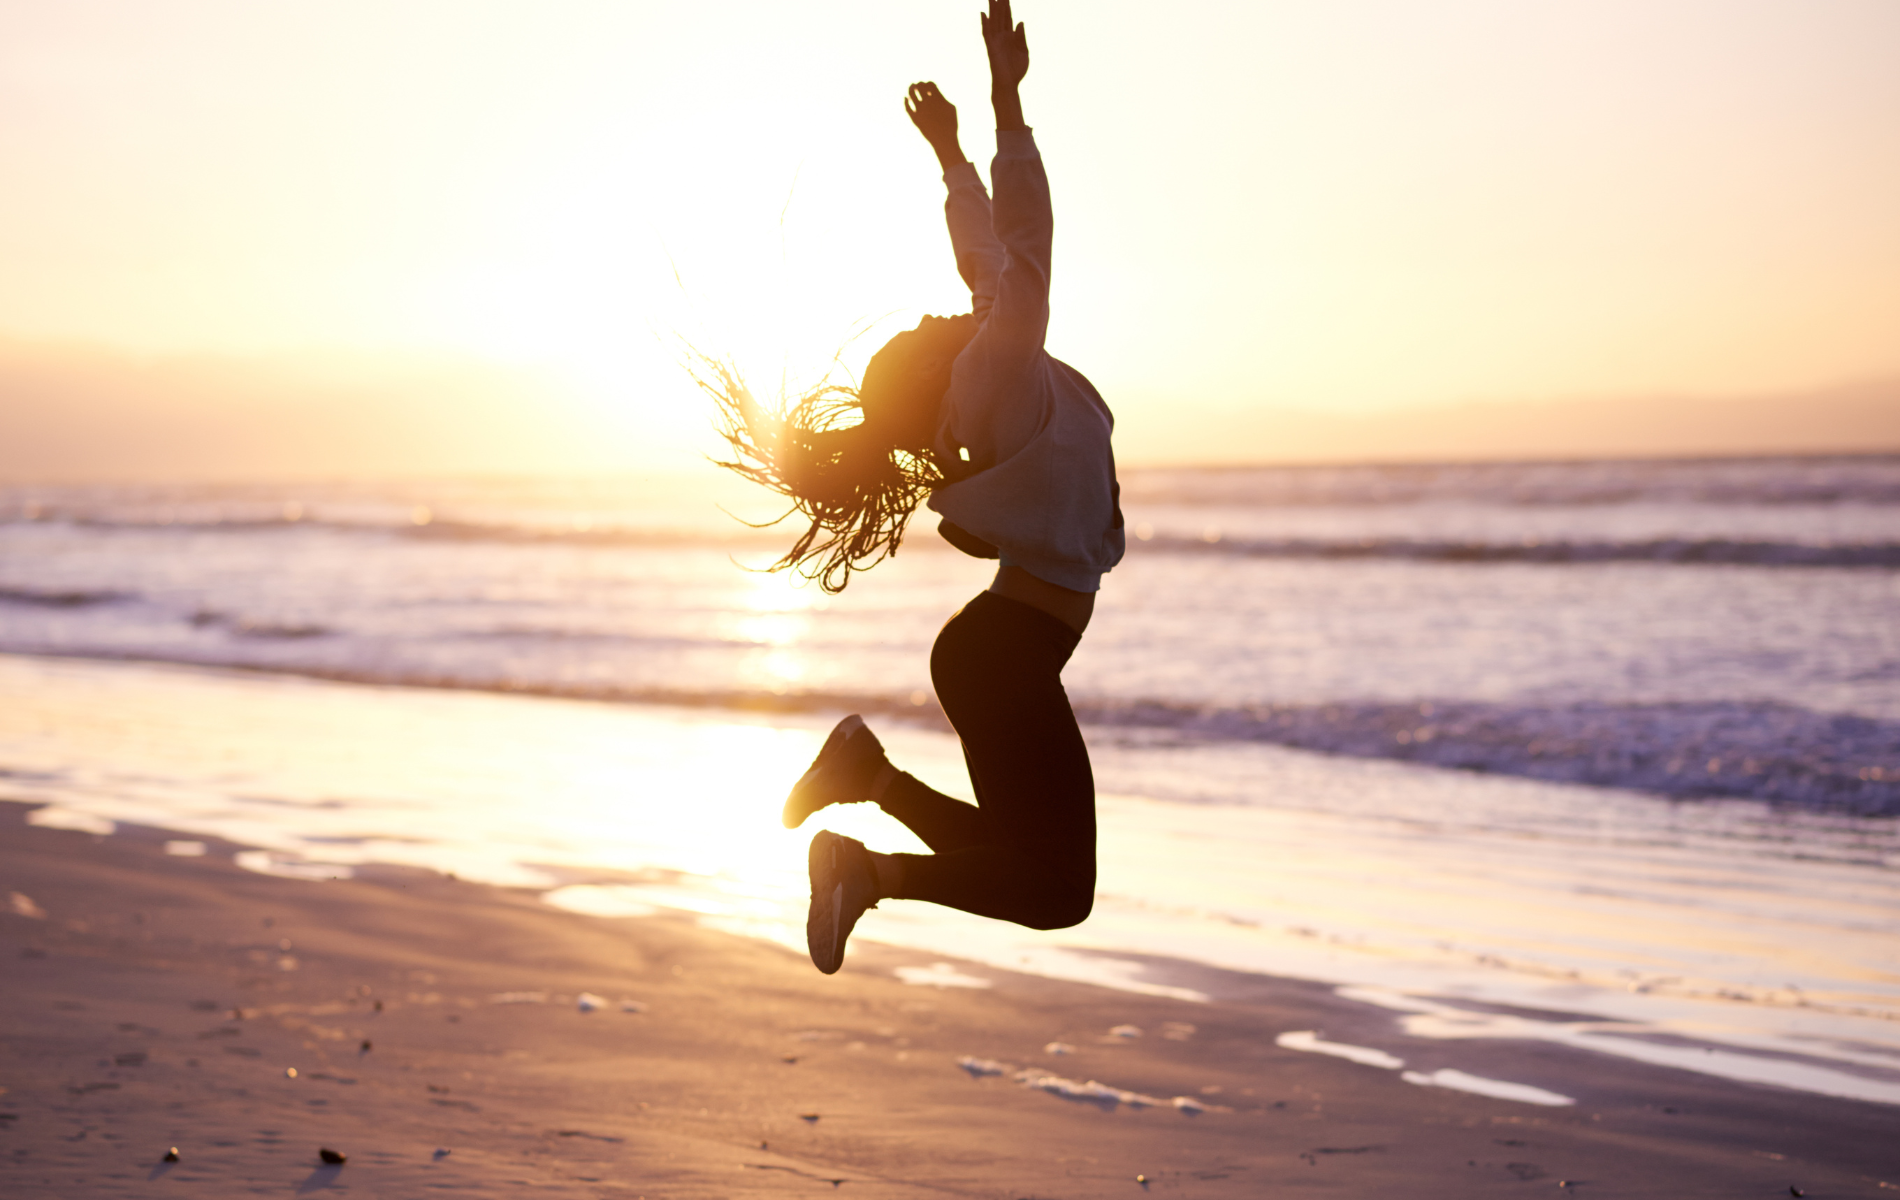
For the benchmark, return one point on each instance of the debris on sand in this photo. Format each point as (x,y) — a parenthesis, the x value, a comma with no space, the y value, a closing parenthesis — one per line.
(334,1158)
(588,1002)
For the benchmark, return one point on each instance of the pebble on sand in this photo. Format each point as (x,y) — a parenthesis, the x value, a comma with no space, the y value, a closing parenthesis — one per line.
(335,1158)
(290,1072)
(440,1153)
(1125,1031)
(170,1155)
(587,1002)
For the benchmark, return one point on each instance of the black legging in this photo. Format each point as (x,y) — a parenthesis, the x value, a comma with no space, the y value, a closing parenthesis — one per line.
(1025,852)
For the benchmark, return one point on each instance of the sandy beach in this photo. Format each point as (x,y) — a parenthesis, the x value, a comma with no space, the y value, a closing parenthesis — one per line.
(441,1039)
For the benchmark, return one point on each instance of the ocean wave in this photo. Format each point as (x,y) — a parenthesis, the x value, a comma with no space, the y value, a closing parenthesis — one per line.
(1688,750)
(63,599)
(433,530)
(261,630)
(1760,749)
(1821,479)
(1673,551)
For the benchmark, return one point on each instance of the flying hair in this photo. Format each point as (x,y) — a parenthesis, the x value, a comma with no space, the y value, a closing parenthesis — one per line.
(855,491)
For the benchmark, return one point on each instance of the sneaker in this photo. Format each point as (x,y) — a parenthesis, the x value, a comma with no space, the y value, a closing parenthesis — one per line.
(844,772)
(843,885)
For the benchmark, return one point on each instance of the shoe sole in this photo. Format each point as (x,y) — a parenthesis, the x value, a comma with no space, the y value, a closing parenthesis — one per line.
(794,813)
(823,935)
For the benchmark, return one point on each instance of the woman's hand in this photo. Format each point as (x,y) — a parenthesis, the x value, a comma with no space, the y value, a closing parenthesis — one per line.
(936,119)
(1008,47)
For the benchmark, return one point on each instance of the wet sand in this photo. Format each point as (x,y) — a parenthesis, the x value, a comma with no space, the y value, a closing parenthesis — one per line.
(150,1001)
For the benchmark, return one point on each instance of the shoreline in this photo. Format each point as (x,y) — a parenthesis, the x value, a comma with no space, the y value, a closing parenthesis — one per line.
(744,1072)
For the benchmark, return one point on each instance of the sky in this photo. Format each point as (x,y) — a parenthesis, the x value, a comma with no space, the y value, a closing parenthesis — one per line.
(503,219)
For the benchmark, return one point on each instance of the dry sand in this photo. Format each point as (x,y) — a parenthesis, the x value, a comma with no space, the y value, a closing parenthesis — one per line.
(153,1001)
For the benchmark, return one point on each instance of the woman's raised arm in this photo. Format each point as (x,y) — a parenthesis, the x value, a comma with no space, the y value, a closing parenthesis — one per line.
(967,207)
(935,118)
(1021,218)
(1008,45)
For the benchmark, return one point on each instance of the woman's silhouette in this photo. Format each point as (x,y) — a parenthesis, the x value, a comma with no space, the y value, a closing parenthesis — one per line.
(1012,447)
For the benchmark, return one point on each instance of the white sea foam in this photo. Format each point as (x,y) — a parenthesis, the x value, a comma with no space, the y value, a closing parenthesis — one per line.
(1311,1042)
(53,817)
(1774,1061)
(1102,1095)
(599,900)
(1091,1091)
(265,862)
(1497,1089)
(941,975)
(980,1067)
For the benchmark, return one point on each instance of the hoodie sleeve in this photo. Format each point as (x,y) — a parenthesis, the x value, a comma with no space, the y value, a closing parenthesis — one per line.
(980,255)
(1019,316)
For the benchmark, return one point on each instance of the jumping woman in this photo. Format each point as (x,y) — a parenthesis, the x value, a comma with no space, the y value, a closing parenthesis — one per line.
(1012,447)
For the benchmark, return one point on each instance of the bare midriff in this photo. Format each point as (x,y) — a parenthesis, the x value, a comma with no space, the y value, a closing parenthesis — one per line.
(1072,608)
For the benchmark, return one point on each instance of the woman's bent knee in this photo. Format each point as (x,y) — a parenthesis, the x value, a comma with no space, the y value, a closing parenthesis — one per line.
(1064,910)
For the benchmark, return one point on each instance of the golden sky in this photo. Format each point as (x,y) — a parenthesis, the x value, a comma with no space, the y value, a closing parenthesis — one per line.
(1343,207)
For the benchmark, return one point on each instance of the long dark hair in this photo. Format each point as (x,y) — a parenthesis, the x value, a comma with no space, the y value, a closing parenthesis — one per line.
(834,461)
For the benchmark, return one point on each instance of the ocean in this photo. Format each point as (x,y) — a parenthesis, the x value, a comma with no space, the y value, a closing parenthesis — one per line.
(1606,753)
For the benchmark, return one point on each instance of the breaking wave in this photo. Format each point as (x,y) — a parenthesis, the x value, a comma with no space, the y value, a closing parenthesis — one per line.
(1674,551)
(1884,555)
